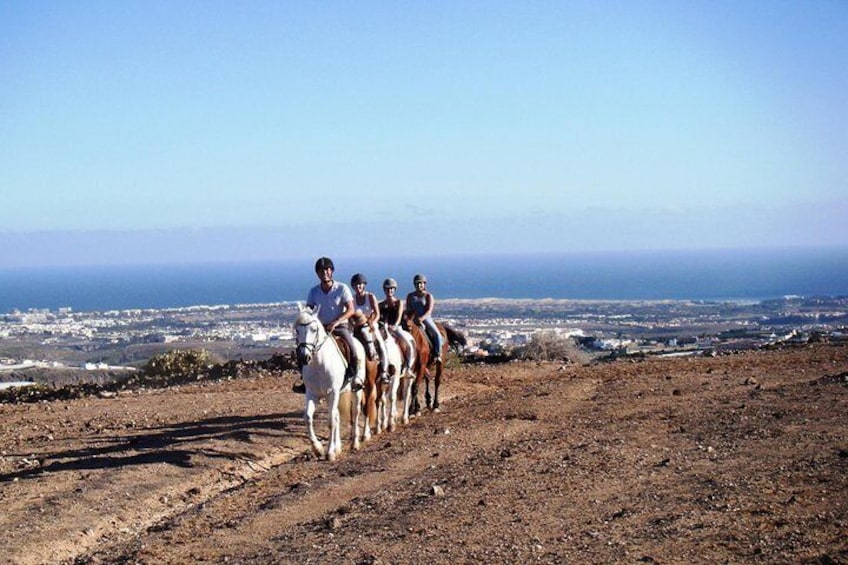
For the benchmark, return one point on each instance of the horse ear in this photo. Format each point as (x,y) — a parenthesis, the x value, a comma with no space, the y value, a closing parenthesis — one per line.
(317,309)
(299,306)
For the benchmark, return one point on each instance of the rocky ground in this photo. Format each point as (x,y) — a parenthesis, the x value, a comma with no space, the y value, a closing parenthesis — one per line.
(737,458)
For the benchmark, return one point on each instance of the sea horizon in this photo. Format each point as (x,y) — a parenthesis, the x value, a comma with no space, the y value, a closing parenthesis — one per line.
(711,275)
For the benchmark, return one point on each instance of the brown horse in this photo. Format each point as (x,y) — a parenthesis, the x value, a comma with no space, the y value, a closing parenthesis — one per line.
(371,387)
(426,365)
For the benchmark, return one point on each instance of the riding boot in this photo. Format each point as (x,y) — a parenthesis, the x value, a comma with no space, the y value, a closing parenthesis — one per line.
(350,374)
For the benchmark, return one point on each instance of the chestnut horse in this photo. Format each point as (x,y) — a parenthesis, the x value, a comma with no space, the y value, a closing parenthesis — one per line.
(371,388)
(425,362)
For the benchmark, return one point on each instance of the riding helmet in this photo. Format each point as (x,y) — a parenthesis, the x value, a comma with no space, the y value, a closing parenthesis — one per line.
(390,283)
(358,278)
(418,279)
(324,263)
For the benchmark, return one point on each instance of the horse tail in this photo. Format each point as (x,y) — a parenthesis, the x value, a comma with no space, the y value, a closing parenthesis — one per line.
(455,338)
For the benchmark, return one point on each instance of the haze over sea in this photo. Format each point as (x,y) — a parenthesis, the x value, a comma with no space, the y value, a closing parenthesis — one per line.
(633,275)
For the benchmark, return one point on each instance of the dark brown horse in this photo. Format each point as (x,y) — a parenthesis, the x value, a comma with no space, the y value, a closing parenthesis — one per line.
(426,366)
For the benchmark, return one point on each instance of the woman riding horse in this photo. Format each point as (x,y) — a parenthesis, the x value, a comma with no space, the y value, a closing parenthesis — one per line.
(421,303)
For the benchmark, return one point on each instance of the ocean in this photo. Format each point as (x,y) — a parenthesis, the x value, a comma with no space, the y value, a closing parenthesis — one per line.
(748,275)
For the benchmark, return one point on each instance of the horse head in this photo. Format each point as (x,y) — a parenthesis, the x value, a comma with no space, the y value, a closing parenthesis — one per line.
(309,334)
(362,329)
(408,320)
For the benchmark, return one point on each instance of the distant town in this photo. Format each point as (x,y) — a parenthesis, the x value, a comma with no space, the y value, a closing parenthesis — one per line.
(123,340)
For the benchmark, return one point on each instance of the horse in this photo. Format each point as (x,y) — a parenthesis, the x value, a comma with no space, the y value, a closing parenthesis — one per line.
(425,360)
(388,390)
(371,388)
(324,365)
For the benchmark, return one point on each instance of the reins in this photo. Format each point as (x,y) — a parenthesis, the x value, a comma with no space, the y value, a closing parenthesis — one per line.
(316,345)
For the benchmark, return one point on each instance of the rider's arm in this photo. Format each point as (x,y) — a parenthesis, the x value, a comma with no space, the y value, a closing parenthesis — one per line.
(347,313)
(374,317)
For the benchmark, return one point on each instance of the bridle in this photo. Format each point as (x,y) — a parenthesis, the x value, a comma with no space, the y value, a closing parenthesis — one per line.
(313,347)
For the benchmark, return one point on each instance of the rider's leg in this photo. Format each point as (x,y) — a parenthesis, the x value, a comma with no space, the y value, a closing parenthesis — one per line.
(381,351)
(435,335)
(344,332)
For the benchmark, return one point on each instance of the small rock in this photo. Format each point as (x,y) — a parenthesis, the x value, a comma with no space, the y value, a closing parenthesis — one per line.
(437,491)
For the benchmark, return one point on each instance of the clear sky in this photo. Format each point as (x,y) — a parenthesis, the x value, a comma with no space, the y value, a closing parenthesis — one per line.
(195,130)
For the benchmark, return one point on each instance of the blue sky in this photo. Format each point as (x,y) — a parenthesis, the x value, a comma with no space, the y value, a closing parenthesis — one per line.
(174,131)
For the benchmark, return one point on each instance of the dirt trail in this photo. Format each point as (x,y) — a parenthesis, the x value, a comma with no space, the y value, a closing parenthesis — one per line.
(731,459)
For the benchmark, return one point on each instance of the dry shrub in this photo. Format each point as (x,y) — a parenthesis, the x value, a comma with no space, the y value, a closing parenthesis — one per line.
(550,346)
(180,362)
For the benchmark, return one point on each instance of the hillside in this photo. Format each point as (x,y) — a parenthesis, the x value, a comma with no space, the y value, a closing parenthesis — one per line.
(736,458)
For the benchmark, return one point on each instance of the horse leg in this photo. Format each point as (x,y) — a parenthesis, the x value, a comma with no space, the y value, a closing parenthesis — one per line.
(355,413)
(335,446)
(406,392)
(392,393)
(378,409)
(414,407)
(309,416)
(380,413)
(437,381)
(384,415)
(368,402)
(427,398)
(371,390)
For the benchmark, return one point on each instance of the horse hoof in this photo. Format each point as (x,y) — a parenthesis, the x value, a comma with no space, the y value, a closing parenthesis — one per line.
(436,409)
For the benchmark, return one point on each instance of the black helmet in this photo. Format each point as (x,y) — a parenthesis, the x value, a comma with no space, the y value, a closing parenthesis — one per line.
(358,278)
(418,279)
(390,283)
(324,263)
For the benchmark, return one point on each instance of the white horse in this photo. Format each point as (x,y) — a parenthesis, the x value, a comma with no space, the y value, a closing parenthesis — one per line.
(399,386)
(324,367)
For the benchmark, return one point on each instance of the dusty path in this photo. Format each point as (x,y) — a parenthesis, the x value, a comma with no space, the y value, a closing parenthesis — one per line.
(730,459)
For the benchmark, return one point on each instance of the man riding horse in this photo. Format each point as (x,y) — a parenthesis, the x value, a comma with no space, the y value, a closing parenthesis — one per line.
(335,300)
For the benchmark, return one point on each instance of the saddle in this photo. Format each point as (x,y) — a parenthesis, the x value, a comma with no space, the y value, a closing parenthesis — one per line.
(431,340)
(343,347)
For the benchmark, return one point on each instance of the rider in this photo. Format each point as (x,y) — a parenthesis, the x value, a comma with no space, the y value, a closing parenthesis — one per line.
(366,303)
(336,302)
(391,312)
(421,303)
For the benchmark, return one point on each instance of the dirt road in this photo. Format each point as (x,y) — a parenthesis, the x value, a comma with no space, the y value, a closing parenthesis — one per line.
(738,458)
